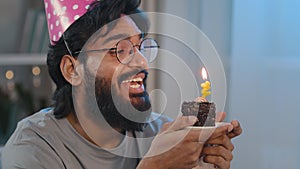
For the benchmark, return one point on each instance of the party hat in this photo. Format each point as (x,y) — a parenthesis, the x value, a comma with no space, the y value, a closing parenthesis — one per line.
(62,13)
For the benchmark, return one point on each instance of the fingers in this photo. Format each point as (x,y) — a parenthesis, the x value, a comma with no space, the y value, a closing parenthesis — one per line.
(218,151)
(223,140)
(218,155)
(218,161)
(204,134)
(222,130)
(237,129)
(179,123)
(215,150)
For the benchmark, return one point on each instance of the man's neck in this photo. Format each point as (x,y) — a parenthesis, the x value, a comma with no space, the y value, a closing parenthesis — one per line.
(108,139)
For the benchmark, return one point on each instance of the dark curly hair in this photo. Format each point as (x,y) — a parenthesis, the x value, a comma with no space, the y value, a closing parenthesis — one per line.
(101,12)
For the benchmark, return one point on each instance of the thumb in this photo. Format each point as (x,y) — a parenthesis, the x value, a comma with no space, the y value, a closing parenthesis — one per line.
(180,123)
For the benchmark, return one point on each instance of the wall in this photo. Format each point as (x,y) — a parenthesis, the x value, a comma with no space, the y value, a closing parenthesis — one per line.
(23,93)
(10,24)
(12,20)
(177,82)
(258,42)
(265,83)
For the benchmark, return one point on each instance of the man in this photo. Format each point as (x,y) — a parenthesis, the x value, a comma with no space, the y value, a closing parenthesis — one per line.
(102,114)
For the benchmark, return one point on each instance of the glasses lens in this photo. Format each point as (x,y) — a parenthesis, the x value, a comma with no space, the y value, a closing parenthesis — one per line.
(124,51)
(149,48)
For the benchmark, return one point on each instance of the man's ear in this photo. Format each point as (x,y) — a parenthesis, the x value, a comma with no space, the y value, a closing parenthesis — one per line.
(68,68)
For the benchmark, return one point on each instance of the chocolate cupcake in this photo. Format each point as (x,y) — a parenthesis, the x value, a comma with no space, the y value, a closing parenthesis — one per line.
(204,110)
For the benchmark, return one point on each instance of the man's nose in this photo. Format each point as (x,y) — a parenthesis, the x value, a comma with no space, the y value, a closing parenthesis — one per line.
(138,59)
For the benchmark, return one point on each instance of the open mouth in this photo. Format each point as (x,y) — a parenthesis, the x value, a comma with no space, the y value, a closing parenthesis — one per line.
(135,83)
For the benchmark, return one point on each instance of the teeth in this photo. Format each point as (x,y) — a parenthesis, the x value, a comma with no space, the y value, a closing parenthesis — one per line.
(135,86)
(138,79)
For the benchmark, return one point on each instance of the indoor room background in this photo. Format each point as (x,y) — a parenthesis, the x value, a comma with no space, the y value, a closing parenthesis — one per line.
(257,41)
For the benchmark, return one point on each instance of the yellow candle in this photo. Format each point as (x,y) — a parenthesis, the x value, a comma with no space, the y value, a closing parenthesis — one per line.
(206,85)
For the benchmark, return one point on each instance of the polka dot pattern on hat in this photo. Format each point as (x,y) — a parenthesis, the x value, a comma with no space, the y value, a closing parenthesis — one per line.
(61,14)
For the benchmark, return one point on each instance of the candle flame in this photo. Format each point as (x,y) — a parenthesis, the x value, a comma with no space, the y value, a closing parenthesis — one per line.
(204,74)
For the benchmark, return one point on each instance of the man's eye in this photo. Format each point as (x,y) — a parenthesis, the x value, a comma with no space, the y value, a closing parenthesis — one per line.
(121,51)
(112,52)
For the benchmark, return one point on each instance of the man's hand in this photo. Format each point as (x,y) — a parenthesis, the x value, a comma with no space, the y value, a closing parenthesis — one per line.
(179,148)
(218,150)
(236,131)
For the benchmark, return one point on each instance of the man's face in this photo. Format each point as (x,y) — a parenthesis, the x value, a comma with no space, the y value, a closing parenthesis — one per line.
(120,89)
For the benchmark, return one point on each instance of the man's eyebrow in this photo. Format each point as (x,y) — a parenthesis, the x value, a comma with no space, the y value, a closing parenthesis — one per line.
(116,37)
(119,37)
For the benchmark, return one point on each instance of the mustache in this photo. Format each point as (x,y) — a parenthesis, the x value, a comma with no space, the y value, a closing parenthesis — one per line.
(132,73)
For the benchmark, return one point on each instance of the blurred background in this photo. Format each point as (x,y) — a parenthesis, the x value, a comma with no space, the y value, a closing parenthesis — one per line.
(25,86)
(258,42)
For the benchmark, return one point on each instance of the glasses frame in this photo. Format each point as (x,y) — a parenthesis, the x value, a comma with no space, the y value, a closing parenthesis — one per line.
(116,47)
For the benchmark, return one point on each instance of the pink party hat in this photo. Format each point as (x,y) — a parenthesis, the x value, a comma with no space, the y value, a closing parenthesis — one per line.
(62,13)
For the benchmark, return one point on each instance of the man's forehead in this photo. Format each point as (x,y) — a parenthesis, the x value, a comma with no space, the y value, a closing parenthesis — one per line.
(122,28)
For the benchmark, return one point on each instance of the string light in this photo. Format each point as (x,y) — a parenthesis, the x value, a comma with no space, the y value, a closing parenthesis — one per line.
(36,71)
(9,74)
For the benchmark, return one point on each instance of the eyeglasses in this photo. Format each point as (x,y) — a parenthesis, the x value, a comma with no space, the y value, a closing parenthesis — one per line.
(124,50)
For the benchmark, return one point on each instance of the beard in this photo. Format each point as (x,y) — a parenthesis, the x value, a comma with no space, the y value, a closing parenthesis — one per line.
(120,113)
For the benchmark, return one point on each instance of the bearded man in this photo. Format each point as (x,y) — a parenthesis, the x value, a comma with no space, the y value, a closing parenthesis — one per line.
(102,118)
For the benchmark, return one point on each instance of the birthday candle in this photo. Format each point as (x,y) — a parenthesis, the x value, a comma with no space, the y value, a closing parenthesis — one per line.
(206,85)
